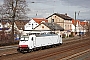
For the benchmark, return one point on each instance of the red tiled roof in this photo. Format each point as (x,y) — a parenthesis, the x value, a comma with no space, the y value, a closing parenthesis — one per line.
(63,16)
(39,20)
(73,21)
(83,23)
(20,23)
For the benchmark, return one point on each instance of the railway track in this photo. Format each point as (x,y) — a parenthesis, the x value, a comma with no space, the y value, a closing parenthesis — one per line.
(16,46)
(66,47)
(8,47)
(64,50)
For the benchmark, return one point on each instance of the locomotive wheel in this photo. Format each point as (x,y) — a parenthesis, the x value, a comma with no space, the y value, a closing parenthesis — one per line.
(41,48)
(34,49)
(38,48)
(23,52)
(47,47)
(18,50)
(54,46)
(29,51)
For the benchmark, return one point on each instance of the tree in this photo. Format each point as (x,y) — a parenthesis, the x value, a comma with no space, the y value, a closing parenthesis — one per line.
(14,10)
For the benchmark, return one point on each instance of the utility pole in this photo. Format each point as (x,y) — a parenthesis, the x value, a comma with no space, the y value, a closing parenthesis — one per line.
(75,22)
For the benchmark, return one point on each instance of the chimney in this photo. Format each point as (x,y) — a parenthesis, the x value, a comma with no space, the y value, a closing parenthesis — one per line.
(66,14)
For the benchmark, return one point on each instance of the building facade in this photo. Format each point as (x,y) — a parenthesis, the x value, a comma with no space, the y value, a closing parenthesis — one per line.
(61,19)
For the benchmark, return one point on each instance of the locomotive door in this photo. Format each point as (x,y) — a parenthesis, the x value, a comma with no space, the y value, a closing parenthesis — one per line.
(34,41)
(60,39)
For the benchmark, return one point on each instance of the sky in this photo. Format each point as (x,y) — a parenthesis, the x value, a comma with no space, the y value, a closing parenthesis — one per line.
(45,8)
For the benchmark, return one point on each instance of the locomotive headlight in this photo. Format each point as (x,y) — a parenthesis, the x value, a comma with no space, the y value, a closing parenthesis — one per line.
(20,45)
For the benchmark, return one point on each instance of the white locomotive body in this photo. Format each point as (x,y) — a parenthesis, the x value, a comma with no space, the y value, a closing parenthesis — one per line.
(31,42)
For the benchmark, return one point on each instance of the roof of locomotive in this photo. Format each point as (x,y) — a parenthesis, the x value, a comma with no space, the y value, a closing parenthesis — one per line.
(43,34)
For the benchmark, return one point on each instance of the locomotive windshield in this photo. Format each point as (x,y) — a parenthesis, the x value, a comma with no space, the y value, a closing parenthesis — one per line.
(24,39)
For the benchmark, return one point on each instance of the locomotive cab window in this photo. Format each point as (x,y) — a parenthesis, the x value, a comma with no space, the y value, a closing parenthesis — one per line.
(24,39)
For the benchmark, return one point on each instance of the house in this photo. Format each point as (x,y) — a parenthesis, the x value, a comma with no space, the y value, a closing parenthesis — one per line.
(21,23)
(1,26)
(3,29)
(33,23)
(76,26)
(18,26)
(49,27)
(81,26)
(4,25)
(84,24)
(62,20)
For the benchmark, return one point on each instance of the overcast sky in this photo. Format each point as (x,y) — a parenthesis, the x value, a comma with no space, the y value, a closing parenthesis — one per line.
(44,8)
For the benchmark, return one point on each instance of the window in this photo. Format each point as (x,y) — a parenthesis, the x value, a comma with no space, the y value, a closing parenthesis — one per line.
(52,20)
(60,35)
(29,24)
(70,26)
(32,39)
(32,26)
(42,26)
(24,39)
(55,16)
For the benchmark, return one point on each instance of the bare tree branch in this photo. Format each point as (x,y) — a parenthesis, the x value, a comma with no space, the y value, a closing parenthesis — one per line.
(13,10)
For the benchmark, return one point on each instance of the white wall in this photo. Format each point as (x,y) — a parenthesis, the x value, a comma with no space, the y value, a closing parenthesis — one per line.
(1,26)
(73,28)
(30,25)
(79,28)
